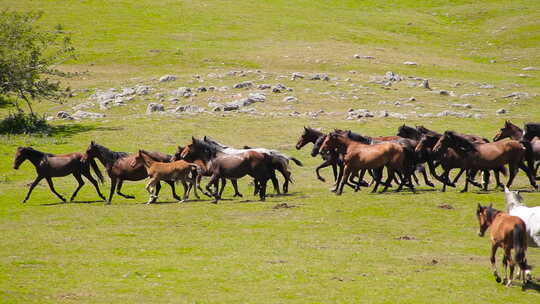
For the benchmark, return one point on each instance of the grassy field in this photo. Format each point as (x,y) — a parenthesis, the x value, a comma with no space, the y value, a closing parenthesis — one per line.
(358,247)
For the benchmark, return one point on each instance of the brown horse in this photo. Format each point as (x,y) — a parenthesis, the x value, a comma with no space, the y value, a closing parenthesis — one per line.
(316,137)
(179,170)
(58,165)
(486,156)
(232,166)
(507,232)
(358,156)
(119,168)
(533,147)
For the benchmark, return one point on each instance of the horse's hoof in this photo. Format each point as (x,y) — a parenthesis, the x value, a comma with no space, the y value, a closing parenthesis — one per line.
(322,179)
(498,279)
(214,202)
(107,202)
(181,201)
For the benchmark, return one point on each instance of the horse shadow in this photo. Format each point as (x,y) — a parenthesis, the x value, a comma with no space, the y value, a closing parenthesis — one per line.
(531,286)
(73,202)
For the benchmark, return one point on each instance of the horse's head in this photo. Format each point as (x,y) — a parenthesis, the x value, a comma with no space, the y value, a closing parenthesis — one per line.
(509,131)
(330,142)
(304,139)
(178,154)
(92,150)
(20,156)
(317,145)
(444,142)
(513,199)
(485,217)
(426,143)
(408,132)
(530,131)
(195,150)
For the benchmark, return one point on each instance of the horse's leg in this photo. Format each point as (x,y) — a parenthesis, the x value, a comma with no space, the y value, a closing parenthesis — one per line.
(339,182)
(485,180)
(512,264)
(513,171)
(262,190)
(505,267)
(493,265)
(34,183)
(113,186)
(325,164)
(81,183)
(223,183)
(390,171)
(530,175)
(173,189)
(186,191)
(213,179)
(94,182)
(151,187)
(335,171)
(498,179)
(235,186)
(275,183)
(466,184)
(445,177)
(377,176)
(422,169)
(119,189)
(343,179)
(194,185)
(51,186)
(415,178)
(455,179)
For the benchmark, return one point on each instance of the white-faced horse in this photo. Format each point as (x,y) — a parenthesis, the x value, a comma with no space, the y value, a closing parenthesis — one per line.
(531,216)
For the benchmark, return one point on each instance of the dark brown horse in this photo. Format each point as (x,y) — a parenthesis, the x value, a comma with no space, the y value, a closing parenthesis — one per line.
(232,166)
(533,147)
(486,156)
(118,165)
(359,156)
(331,158)
(507,232)
(57,165)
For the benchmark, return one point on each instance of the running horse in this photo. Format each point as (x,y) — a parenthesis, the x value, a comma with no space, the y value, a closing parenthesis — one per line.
(119,168)
(507,232)
(58,165)
(316,137)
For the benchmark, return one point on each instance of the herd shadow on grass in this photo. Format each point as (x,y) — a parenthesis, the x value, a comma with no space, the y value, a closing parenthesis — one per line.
(70,130)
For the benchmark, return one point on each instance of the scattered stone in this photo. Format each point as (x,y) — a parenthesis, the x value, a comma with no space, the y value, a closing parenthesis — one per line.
(297,75)
(290,99)
(358,56)
(243,85)
(467,95)
(264,86)
(410,63)
(154,107)
(478,116)
(223,89)
(82,115)
(487,86)
(320,77)
(142,90)
(524,75)
(425,84)
(492,61)
(445,206)
(462,105)
(392,77)
(406,238)
(174,100)
(82,106)
(64,115)
(412,99)
(455,114)
(167,78)
(183,92)
(517,95)
(202,89)
(188,109)
(426,115)
(530,68)
(501,111)
(355,114)
(283,205)
(444,92)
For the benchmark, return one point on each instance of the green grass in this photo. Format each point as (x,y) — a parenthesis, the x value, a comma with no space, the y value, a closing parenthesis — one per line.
(328,249)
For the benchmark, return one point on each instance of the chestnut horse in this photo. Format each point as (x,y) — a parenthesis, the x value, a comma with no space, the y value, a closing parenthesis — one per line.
(486,156)
(358,156)
(533,147)
(58,165)
(507,232)
(179,170)
(119,169)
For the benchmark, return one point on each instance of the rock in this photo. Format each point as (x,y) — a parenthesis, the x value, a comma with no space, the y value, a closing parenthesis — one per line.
(279,88)
(530,68)
(444,92)
(290,99)
(487,86)
(297,75)
(397,115)
(517,95)
(391,76)
(183,92)
(319,77)
(426,115)
(223,89)
(82,106)
(154,107)
(64,115)
(425,84)
(230,107)
(174,100)
(358,56)
(462,105)
(264,86)
(188,109)
(355,114)
(478,116)
(127,92)
(524,75)
(142,90)
(243,85)
(82,115)
(202,89)
(467,95)
(410,63)
(257,97)
(455,114)
(167,78)
(501,111)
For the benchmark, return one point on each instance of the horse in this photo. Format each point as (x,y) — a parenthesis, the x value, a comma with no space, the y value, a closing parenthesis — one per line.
(531,130)
(258,165)
(179,170)
(533,146)
(358,156)
(316,137)
(280,161)
(119,169)
(486,156)
(507,232)
(58,165)
(530,216)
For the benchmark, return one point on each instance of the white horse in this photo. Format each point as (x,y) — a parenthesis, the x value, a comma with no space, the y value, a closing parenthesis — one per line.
(531,216)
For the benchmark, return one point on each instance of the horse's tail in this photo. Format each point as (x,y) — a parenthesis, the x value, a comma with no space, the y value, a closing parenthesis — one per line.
(296,161)
(94,166)
(520,246)
(502,170)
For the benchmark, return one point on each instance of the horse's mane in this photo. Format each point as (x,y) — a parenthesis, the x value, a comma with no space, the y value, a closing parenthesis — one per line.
(462,142)
(426,131)
(109,155)
(313,130)
(409,131)
(215,144)
(209,145)
(36,152)
(358,137)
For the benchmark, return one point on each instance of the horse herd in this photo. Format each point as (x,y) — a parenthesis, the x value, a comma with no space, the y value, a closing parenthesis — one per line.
(351,156)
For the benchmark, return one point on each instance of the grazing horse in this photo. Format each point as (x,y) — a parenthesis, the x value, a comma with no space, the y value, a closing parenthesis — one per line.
(232,166)
(533,147)
(486,156)
(58,165)
(530,216)
(280,161)
(119,168)
(507,232)
(179,170)
(358,156)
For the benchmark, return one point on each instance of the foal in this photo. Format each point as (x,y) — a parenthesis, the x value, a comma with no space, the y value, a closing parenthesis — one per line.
(507,232)
(179,170)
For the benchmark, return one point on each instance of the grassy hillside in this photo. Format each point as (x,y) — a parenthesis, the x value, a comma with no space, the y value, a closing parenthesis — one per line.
(359,247)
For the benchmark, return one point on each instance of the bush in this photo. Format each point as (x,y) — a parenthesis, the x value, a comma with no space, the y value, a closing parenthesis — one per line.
(21,123)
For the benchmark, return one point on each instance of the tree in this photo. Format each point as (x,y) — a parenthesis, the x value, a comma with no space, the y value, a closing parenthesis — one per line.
(28,57)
